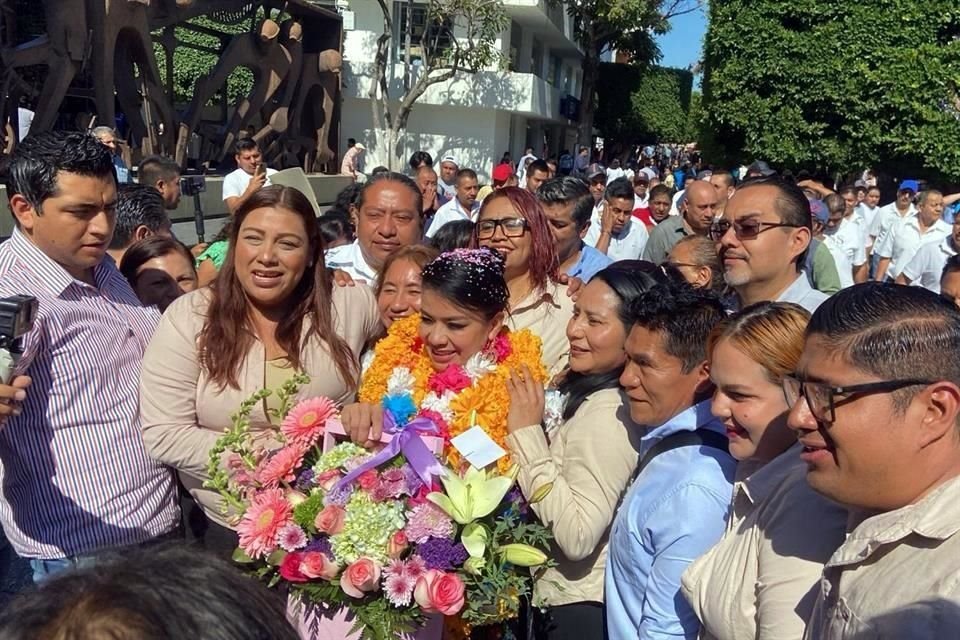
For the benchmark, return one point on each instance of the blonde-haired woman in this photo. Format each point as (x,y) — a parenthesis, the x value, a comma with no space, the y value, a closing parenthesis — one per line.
(759,581)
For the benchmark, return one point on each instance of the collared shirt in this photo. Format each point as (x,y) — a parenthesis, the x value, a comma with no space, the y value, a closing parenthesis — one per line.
(779,535)
(626,245)
(896,575)
(846,246)
(450,212)
(236,182)
(662,239)
(927,266)
(674,511)
(589,264)
(867,216)
(904,241)
(73,468)
(546,315)
(801,293)
(887,217)
(349,258)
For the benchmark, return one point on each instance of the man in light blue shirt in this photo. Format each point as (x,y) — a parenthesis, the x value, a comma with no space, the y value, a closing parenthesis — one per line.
(569,206)
(676,508)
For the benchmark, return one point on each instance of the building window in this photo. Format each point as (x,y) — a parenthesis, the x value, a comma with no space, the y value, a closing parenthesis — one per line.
(515,36)
(536,59)
(437,36)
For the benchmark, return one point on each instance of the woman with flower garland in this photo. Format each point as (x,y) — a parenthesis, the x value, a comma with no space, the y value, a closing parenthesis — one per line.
(512,223)
(587,453)
(450,363)
(780,532)
(272,312)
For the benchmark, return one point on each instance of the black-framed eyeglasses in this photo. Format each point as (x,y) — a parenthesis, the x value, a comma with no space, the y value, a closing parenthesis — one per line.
(822,398)
(676,265)
(745,230)
(512,227)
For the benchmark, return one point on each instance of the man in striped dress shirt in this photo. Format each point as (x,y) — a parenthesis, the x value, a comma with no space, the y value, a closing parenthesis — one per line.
(74,474)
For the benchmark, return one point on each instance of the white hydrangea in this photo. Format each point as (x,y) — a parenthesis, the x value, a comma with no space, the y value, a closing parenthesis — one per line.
(439,404)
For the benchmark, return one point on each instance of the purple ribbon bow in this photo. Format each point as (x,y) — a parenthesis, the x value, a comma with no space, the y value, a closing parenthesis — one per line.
(406,440)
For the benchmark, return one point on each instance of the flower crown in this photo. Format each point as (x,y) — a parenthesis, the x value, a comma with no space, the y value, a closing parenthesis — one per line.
(481,268)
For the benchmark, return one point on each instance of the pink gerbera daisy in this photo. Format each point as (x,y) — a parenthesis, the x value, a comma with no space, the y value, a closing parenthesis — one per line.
(291,538)
(268,513)
(399,589)
(281,467)
(306,422)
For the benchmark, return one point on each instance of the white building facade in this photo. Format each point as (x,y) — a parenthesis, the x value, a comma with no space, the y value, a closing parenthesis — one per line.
(473,117)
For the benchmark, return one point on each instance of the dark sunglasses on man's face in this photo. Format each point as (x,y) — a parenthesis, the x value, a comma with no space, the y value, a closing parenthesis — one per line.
(745,230)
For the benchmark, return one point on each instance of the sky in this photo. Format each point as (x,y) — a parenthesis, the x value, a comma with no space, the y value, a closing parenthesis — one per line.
(682,44)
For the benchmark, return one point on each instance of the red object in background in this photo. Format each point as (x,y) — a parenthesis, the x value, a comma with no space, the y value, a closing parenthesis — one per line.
(643,215)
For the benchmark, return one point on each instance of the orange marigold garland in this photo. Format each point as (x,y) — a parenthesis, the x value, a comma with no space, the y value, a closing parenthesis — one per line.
(461,396)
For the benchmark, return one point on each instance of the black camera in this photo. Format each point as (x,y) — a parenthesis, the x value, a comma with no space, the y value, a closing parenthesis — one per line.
(192,185)
(17,314)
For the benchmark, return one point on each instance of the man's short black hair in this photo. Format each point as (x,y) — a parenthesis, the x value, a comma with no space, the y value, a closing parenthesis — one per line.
(466,173)
(565,189)
(33,166)
(660,189)
(138,205)
(619,188)
(244,144)
(155,168)
(420,158)
(538,165)
(392,176)
(684,315)
(952,265)
(351,142)
(892,332)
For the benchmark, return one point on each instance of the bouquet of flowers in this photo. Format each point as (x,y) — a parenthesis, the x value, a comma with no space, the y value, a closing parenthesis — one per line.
(393,536)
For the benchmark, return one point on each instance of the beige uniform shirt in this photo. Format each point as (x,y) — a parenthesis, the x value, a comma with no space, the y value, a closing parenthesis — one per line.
(546,316)
(897,576)
(183,413)
(590,460)
(759,581)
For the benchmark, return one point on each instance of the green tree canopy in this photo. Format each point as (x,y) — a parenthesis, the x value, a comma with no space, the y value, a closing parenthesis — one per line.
(643,104)
(834,85)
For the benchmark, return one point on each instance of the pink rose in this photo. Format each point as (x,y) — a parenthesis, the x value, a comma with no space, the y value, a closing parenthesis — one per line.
(368,479)
(328,479)
(315,564)
(453,378)
(439,592)
(290,568)
(398,544)
(360,577)
(330,520)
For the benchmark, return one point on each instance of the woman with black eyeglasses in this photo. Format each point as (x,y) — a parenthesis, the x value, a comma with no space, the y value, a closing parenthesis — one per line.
(512,223)
(756,582)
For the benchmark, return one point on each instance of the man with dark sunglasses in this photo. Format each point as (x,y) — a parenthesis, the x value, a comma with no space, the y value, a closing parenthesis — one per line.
(875,403)
(762,239)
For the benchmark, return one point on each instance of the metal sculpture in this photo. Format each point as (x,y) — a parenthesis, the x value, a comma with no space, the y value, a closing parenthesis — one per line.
(101,53)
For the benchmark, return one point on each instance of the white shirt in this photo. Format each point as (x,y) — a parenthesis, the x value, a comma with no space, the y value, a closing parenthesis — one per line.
(674,209)
(885,219)
(235,183)
(906,239)
(24,119)
(847,248)
(641,203)
(626,245)
(613,174)
(927,266)
(450,212)
(349,258)
(867,216)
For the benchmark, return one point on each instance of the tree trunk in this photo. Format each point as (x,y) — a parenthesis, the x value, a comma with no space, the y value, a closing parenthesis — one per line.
(591,65)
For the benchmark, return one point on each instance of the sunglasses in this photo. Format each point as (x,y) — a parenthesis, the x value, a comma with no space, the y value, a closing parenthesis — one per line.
(746,230)
(822,398)
(512,227)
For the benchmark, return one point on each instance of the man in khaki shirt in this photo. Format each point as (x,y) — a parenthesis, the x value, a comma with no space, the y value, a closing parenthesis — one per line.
(875,405)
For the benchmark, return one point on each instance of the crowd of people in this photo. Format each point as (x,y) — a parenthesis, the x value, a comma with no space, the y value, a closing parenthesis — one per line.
(751,427)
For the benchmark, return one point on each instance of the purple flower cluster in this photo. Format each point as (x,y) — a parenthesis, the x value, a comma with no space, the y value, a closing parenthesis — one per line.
(305,480)
(339,497)
(414,483)
(321,544)
(442,554)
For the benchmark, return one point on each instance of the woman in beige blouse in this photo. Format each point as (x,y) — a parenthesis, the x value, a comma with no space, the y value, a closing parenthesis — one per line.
(587,457)
(760,580)
(272,311)
(513,223)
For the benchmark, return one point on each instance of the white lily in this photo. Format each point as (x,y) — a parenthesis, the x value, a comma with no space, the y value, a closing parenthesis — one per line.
(473,496)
